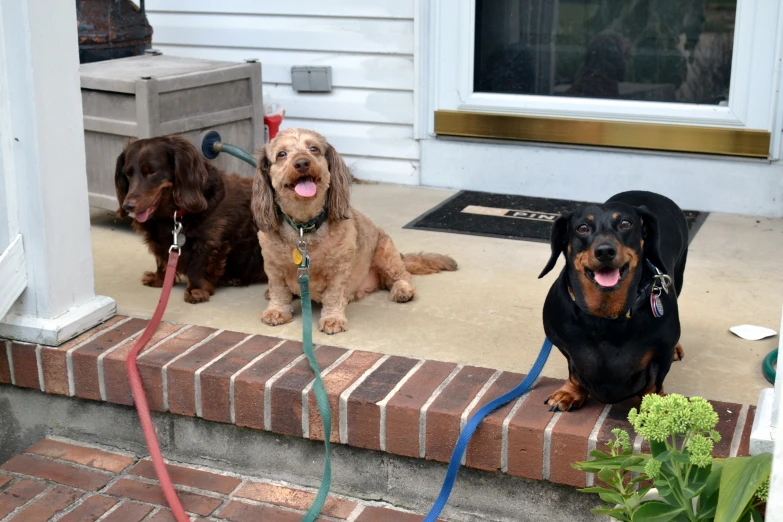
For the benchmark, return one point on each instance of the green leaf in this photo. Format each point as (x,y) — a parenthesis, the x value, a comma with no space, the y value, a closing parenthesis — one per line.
(698,474)
(607,475)
(598,454)
(656,512)
(664,490)
(739,481)
(634,500)
(607,495)
(680,457)
(708,500)
(598,464)
(618,513)
(632,461)
(756,515)
(656,448)
(612,496)
(664,456)
(692,490)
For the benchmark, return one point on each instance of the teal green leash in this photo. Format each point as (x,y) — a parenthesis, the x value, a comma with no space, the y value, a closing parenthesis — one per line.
(211,147)
(303,274)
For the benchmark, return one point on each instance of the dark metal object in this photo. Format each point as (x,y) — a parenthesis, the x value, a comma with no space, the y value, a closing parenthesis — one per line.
(211,146)
(111,29)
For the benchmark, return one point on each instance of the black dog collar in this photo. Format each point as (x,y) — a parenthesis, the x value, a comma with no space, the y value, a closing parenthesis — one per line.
(310,226)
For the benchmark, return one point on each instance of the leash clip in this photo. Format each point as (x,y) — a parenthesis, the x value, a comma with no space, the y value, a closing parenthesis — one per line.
(304,264)
(665,280)
(179,237)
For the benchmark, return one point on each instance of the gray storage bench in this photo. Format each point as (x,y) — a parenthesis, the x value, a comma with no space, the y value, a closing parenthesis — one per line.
(158,95)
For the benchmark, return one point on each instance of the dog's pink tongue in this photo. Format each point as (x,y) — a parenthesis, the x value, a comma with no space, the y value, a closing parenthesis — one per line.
(607,276)
(305,188)
(144,216)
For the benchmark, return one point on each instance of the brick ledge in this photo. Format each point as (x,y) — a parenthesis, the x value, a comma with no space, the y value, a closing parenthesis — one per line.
(399,405)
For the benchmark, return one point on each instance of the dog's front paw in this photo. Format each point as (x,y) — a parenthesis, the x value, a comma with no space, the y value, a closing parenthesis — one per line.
(402,291)
(152,279)
(567,398)
(197,295)
(333,325)
(679,353)
(274,317)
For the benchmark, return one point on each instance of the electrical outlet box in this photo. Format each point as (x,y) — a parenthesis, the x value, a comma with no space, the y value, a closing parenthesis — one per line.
(307,78)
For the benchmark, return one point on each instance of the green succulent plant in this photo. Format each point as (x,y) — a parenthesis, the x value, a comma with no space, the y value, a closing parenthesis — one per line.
(692,486)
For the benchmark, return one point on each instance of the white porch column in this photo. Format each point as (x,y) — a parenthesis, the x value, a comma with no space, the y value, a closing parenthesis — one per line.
(766,425)
(44,134)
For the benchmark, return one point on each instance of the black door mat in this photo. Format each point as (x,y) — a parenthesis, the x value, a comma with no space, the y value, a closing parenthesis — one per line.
(508,217)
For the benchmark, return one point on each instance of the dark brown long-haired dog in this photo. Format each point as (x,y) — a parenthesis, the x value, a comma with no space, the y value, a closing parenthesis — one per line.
(157,177)
(302,181)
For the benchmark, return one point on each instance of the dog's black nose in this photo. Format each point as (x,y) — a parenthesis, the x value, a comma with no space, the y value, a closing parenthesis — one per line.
(302,165)
(605,252)
(129,206)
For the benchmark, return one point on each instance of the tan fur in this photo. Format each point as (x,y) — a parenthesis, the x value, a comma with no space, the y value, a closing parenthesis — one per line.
(349,256)
(652,389)
(679,353)
(570,396)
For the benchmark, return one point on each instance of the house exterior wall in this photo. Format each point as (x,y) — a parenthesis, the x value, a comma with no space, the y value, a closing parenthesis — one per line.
(380,112)
(369,44)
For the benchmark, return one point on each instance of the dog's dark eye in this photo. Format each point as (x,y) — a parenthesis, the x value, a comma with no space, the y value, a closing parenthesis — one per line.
(583,229)
(282,154)
(625,224)
(313,149)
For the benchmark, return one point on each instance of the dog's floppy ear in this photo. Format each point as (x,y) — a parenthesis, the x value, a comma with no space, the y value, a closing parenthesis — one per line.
(263,201)
(190,176)
(339,186)
(651,234)
(121,184)
(558,240)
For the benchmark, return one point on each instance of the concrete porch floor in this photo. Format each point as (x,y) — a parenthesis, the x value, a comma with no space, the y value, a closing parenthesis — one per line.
(488,313)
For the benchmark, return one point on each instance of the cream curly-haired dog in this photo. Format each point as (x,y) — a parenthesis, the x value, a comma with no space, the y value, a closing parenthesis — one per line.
(301,181)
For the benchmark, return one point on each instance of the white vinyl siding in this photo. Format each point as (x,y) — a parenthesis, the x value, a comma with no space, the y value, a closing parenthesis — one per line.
(369,44)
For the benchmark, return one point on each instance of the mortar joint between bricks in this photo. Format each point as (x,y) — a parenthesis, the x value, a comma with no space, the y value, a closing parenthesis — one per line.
(197,375)
(111,510)
(309,386)
(165,368)
(383,403)
(69,353)
(426,406)
(69,463)
(463,418)
(236,374)
(10,516)
(345,395)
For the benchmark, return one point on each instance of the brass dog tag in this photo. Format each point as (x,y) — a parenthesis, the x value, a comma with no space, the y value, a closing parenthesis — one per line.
(297,256)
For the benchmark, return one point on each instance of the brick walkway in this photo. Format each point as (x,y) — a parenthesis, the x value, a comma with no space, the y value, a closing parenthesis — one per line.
(399,405)
(64,481)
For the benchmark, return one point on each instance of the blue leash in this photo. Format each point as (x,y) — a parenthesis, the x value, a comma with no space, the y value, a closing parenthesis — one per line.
(473,423)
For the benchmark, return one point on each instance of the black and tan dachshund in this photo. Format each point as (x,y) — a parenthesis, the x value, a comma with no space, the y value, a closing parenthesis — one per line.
(613,310)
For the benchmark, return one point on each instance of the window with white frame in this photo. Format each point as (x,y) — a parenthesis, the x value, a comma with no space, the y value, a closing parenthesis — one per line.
(687,62)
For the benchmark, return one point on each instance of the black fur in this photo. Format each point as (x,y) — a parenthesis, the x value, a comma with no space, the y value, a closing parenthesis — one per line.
(617,359)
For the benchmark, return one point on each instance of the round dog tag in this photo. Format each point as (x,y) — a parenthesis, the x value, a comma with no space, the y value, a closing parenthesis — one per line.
(180,239)
(297,256)
(657,305)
